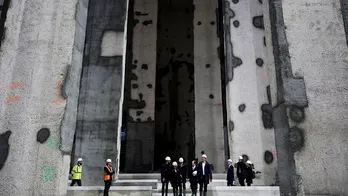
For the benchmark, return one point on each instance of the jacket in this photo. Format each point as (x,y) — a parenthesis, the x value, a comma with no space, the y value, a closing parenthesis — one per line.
(166,172)
(183,173)
(207,172)
(76,172)
(230,174)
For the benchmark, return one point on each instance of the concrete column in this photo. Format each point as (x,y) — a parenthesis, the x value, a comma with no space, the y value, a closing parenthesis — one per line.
(141,87)
(39,59)
(312,87)
(249,101)
(101,88)
(207,74)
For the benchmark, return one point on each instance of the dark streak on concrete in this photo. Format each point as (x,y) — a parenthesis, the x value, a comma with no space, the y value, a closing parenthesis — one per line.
(232,61)
(266,109)
(236,23)
(241,107)
(137,13)
(231,126)
(344,9)
(5,6)
(268,157)
(4,147)
(259,62)
(296,139)
(297,114)
(147,22)
(42,135)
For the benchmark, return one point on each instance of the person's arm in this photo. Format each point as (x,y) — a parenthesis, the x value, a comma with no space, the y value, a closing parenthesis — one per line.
(210,173)
(73,171)
(108,172)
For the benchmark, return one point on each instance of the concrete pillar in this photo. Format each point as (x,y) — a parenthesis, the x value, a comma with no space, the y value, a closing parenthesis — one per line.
(207,74)
(39,64)
(101,88)
(249,101)
(311,126)
(141,87)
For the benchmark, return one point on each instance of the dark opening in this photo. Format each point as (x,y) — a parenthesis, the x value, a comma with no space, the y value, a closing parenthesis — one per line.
(4,5)
(175,113)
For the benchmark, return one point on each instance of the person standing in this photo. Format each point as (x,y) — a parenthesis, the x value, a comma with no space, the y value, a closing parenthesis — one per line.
(76,173)
(249,173)
(108,176)
(175,178)
(204,175)
(241,171)
(192,174)
(165,175)
(230,173)
(183,174)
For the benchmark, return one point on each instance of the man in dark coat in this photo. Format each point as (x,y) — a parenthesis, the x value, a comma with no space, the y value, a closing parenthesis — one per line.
(230,173)
(249,173)
(192,174)
(165,175)
(183,175)
(241,167)
(175,178)
(204,175)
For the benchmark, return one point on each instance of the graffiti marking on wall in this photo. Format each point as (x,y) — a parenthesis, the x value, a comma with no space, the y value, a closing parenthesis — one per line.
(59,98)
(12,99)
(47,173)
(13,86)
(52,142)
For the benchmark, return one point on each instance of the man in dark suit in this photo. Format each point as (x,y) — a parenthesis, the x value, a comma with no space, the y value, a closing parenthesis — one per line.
(230,173)
(192,174)
(165,175)
(204,175)
(183,174)
(241,168)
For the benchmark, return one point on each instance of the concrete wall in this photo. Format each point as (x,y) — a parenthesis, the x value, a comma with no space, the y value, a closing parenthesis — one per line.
(207,73)
(248,91)
(40,64)
(311,106)
(140,86)
(101,88)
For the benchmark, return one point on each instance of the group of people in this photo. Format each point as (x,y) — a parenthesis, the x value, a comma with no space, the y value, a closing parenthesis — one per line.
(176,174)
(76,175)
(245,172)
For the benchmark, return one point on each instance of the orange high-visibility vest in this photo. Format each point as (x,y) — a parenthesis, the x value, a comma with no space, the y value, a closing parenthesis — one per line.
(106,175)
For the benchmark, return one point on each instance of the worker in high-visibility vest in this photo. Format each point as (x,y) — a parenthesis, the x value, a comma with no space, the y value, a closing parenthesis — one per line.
(108,176)
(76,173)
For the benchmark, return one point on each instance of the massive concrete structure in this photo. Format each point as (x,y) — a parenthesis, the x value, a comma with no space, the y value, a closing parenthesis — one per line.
(136,81)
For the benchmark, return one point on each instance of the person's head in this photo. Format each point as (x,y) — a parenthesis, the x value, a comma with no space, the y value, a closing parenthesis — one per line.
(229,161)
(204,157)
(175,164)
(249,163)
(181,161)
(108,162)
(193,163)
(79,161)
(240,158)
(167,160)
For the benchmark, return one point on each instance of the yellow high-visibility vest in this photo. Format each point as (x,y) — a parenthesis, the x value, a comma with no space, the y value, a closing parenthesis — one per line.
(76,172)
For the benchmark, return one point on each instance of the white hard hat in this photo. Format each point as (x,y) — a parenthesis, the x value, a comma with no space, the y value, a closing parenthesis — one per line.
(194,173)
(175,164)
(204,156)
(168,159)
(79,160)
(229,160)
(181,160)
(240,157)
(249,162)
(108,160)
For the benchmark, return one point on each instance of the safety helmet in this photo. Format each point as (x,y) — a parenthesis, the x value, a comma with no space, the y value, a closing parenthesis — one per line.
(79,160)
(181,160)
(204,156)
(194,173)
(167,159)
(108,160)
(249,162)
(175,164)
(229,160)
(240,157)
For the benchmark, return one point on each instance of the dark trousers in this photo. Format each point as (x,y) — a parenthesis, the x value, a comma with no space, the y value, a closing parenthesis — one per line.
(203,184)
(182,187)
(75,181)
(165,187)
(107,187)
(241,181)
(175,191)
(194,189)
(248,184)
(230,183)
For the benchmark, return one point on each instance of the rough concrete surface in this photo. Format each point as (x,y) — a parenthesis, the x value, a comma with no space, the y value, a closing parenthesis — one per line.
(34,57)
(316,37)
